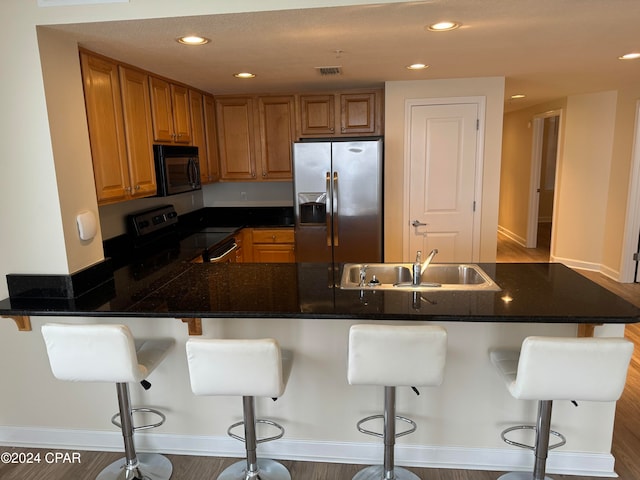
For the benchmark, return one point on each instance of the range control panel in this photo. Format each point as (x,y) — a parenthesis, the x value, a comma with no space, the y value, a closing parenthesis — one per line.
(152,220)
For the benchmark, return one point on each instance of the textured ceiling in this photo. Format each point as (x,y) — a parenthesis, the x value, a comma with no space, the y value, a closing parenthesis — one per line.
(545,48)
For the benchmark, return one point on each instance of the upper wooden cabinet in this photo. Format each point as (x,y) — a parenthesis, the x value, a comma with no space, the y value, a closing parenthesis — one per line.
(255,136)
(203,126)
(236,138)
(212,168)
(138,129)
(170,112)
(277,133)
(117,105)
(317,114)
(348,113)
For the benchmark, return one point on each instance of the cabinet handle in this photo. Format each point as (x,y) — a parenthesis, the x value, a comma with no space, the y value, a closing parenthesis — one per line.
(137,187)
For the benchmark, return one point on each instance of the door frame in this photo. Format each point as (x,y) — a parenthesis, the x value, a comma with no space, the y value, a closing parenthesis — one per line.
(534,182)
(480,101)
(632,221)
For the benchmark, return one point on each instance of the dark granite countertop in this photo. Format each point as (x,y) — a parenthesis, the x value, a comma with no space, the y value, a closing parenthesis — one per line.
(540,292)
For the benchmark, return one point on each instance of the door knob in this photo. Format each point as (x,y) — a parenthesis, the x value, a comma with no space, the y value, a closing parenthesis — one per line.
(417,224)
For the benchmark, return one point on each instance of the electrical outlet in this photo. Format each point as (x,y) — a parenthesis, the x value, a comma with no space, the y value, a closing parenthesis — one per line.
(243,195)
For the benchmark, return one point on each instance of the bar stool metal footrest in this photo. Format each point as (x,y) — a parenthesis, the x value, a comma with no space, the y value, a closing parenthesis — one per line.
(258,440)
(381,435)
(163,418)
(504,433)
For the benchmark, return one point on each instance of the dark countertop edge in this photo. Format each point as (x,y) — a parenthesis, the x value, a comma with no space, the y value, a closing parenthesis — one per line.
(332,316)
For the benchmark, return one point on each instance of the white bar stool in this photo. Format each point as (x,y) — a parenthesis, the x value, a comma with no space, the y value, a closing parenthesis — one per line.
(392,356)
(556,368)
(247,368)
(108,353)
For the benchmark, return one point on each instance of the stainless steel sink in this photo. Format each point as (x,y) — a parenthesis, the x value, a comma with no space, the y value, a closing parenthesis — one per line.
(398,276)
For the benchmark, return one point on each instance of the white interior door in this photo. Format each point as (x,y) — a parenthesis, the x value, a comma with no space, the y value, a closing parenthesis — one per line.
(443,143)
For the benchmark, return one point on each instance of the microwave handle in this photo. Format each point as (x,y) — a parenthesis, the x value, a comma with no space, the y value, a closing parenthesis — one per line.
(193,172)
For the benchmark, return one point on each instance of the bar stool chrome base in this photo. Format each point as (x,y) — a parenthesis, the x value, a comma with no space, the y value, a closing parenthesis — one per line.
(252,467)
(151,466)
(519,476)
(376,472)
(267,470)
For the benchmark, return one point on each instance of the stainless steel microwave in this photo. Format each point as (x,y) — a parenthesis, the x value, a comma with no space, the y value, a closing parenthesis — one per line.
(177,169)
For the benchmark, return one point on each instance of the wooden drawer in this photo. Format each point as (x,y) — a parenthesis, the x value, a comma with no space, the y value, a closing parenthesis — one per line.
(273,235)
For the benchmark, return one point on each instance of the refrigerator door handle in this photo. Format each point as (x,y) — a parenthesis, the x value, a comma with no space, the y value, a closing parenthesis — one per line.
(335,209)
(329,199)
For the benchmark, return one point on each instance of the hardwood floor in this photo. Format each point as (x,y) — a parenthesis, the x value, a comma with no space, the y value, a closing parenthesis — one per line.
(191,467)
(626,437)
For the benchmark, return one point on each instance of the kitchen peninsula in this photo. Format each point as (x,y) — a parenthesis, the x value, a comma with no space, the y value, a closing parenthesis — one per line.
(529,292)
(300,305)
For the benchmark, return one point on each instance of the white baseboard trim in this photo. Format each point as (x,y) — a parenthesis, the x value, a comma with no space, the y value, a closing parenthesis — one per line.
(593,267)
(466,458)
(579,264)
(513,236)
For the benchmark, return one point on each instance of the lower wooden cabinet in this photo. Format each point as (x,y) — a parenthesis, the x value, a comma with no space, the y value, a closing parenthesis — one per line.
(269,245)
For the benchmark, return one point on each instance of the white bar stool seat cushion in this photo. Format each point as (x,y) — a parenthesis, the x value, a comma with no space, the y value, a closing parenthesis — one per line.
(391,355)
(235,367)
(559,368)
(101,353)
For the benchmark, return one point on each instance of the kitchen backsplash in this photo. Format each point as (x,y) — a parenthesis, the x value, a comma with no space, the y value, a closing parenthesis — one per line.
(231,194)
(249,194)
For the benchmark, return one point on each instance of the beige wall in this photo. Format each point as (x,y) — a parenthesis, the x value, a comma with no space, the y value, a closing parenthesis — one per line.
(396,94)
(614,230)
(515,172)
(583,184)
(70,141)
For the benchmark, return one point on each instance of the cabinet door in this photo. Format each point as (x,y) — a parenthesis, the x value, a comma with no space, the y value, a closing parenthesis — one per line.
(273,245)
(136,106)
(198,132)
(277,133)
(161,110)
(106,128)
(181,115)
(273,253)
(317,114)
(357,113)
(236,138)
(213,167)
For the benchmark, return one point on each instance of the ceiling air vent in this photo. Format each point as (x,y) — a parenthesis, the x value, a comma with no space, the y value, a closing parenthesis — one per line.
(328,71)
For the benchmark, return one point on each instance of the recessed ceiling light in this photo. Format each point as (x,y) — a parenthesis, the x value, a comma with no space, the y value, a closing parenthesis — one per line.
(193,40)
(629,56)
(244,75)
(517,96)
(443,26)
(417,66)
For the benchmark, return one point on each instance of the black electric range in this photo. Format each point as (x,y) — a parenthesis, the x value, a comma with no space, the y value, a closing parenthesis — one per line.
(155,240)
(214,242)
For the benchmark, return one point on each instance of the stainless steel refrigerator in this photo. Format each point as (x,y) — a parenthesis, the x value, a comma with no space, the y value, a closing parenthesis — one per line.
(338,200)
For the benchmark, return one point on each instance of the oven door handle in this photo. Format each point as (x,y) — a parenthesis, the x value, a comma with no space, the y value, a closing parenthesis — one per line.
(219,257)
